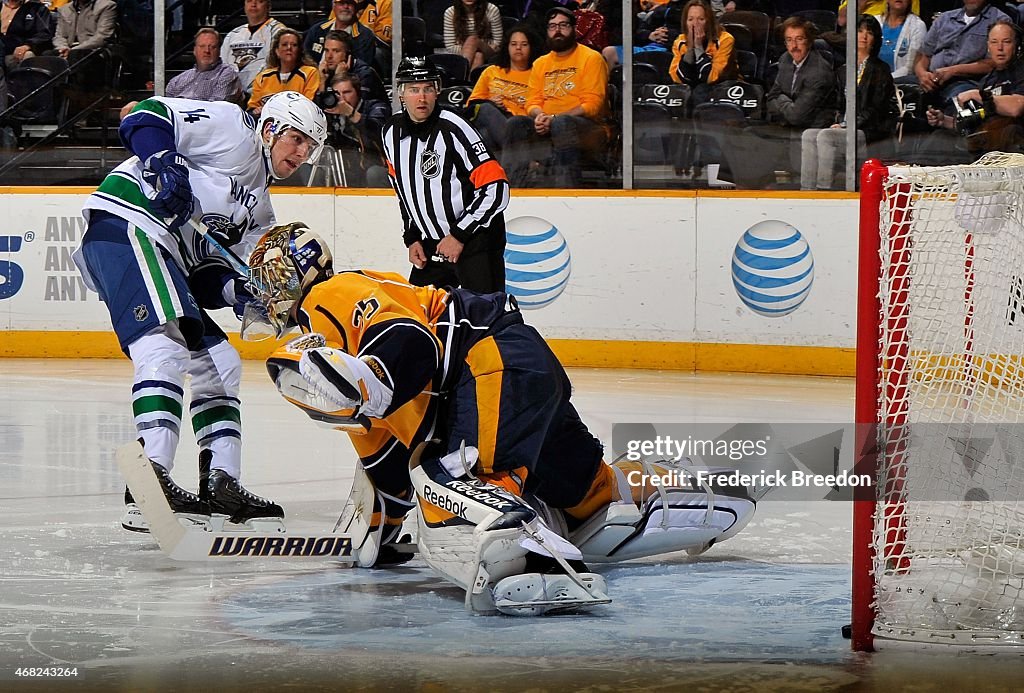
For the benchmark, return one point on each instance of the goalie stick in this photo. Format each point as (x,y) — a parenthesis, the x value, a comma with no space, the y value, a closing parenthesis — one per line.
(199,543)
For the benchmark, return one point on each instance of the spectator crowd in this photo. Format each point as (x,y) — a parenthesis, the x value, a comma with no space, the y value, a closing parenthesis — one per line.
(750,93)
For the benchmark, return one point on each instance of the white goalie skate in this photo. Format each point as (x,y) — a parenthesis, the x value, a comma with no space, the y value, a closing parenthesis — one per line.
(492,544)
(679,512)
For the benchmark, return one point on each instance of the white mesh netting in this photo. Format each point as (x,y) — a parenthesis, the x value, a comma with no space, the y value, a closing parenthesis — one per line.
(949,524)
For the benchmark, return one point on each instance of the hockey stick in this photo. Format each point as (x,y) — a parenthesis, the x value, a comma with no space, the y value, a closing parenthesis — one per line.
(199,543)
(233,260)
(204,231)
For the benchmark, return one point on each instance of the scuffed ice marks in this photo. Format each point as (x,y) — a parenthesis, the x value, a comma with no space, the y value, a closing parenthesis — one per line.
(708,611)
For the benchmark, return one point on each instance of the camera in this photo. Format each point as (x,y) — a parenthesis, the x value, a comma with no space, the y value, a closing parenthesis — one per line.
(328,98)
(972,114)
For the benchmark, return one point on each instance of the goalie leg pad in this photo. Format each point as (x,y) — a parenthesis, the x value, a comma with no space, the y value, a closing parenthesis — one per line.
(478,536)
(688,517)
(373,519)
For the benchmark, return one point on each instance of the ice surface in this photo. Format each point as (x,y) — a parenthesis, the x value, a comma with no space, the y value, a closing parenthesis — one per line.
(762,611)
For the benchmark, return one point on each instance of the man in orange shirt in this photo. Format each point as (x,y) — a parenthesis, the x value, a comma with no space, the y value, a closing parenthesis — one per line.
(566,105)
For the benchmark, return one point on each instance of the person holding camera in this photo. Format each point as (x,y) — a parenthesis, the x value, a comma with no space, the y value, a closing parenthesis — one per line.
(338,56)
(354,127)
(952,56)
(989,116)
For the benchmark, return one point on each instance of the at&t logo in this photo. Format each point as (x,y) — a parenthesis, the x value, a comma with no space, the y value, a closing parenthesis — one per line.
(12,276)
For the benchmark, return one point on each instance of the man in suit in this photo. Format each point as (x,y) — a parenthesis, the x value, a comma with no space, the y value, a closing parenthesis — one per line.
(803,96)
(804,93)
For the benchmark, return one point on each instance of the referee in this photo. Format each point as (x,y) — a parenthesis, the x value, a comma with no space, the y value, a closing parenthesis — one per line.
(450,189)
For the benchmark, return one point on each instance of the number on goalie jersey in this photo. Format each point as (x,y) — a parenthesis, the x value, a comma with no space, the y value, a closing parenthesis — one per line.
(461,367)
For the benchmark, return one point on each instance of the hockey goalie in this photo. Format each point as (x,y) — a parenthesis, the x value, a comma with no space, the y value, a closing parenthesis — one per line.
(459,410)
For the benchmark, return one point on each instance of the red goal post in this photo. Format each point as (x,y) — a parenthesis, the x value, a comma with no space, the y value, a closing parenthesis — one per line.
(938,552)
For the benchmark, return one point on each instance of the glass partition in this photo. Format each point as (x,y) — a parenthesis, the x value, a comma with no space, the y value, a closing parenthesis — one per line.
(677,94)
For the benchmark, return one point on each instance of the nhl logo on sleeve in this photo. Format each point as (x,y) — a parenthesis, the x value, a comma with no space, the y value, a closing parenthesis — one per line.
(430,164)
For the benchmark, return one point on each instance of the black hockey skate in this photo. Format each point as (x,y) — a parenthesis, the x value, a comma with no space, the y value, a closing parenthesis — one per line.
(229,498)
(185,505)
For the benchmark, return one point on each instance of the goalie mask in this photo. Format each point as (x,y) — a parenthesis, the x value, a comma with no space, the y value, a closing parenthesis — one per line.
(287,261)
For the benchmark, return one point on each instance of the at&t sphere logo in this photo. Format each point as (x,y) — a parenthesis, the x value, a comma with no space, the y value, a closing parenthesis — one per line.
(537,262)
(772,268)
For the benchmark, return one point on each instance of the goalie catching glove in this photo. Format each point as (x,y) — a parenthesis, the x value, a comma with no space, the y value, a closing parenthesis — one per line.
(331,386)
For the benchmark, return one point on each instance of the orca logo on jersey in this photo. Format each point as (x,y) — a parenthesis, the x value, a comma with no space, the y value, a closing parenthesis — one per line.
(430,164)
(223,230)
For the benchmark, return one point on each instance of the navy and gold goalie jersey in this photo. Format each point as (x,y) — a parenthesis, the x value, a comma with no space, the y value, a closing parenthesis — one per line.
(414,339)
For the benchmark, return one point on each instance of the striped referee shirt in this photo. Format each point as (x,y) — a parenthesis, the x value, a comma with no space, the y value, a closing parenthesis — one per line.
(446,180)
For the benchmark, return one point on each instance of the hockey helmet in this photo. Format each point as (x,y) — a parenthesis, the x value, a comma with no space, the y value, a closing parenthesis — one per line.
(290,109)
(417,69)
(287,261)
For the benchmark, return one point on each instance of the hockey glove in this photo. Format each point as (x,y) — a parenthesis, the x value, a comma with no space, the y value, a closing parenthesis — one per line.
(169,175)
(345,380)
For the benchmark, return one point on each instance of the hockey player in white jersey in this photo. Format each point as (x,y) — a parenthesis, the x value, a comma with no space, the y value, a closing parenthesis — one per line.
(196,165)
(457,407)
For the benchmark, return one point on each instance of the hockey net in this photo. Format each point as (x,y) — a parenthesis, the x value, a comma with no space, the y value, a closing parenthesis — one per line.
(939,551)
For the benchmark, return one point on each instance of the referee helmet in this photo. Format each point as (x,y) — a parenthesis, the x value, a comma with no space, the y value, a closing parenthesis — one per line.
(412,70)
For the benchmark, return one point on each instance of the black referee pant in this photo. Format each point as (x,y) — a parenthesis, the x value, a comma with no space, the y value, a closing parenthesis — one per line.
(481,266)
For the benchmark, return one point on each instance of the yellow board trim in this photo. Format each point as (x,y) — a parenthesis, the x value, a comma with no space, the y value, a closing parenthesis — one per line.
(581,353)
(520,192)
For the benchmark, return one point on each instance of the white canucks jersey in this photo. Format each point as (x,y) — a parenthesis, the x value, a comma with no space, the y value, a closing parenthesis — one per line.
(247,51)
(228,172)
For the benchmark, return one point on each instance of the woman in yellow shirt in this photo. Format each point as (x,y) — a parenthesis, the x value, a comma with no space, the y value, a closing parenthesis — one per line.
(704,53)
(287,70)
(500,91)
